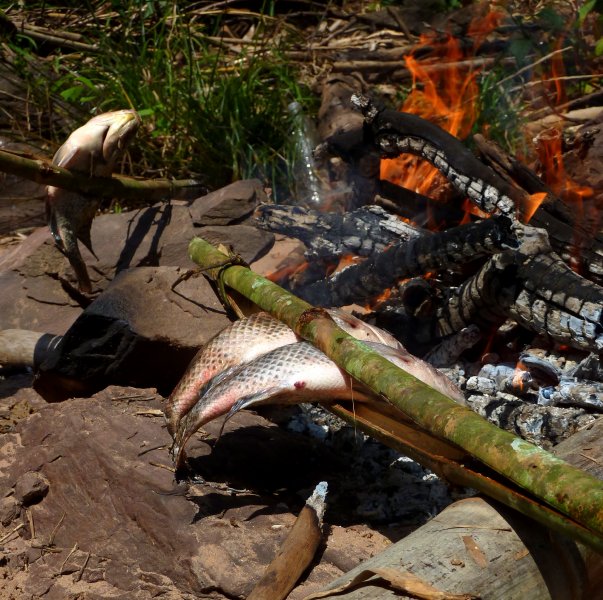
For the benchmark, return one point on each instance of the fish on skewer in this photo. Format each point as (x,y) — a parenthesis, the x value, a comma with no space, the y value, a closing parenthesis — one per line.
(245,340)
(409,363)
(92,149)
(240,342)
(290,374)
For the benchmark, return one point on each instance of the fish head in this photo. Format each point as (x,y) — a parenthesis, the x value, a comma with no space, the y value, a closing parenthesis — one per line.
(419,369)
(122,126)
(362,330)
(94,148)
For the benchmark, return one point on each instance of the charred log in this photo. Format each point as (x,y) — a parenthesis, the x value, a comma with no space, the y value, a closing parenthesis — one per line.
(538,290)
(573,392)
(544,425)
(429,251)
(330,235)
(566,229)
(395,133)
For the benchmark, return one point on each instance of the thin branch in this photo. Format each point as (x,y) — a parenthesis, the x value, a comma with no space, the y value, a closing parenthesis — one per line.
(42,171)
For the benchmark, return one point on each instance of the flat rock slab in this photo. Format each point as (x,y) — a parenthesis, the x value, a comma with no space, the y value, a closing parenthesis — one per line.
(114,523)
(40,291)
(142,330)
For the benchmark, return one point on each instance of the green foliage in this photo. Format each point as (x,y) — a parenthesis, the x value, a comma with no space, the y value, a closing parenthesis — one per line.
(208,111)
(499,110)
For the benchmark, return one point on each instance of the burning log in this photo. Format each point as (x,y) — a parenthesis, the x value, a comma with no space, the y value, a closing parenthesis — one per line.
(538,290)
(327,236)
(567,499)
(417,256)
(394,133)
(562,223)
(524,280)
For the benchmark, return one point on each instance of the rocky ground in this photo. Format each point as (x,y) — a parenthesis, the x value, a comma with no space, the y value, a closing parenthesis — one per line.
(90,507)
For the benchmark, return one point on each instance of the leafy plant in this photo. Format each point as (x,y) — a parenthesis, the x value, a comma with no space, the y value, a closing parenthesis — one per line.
(209,111)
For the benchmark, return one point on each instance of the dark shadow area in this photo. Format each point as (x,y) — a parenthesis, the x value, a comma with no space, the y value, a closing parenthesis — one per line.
(12,379)
(271,466)
(153,216)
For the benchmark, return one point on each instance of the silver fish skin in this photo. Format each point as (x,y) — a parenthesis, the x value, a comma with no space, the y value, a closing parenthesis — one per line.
(245,340)
(401,358)
(420,369)
(92,149)
(239,343)
(363,331)
(291,374)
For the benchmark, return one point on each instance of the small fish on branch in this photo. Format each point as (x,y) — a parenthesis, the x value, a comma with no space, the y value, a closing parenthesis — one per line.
(93,149)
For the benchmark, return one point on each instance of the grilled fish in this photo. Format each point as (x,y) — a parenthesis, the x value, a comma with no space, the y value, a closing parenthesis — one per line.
(290,374)
(244,341)
(401,358)
(92,149)
(239,343)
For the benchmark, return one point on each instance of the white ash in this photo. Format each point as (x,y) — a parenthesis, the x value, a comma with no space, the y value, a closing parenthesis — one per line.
(384,486)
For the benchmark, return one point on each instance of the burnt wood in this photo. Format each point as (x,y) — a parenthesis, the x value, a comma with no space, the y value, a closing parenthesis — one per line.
(539,291)
(570,236)
(429,251)
(361,232)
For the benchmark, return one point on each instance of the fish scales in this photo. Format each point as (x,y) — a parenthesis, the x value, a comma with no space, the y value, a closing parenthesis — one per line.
(293,373)
(239,343)
(245,340)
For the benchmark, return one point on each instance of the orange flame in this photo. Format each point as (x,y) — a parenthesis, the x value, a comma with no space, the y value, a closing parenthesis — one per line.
(532,204)
(444,91)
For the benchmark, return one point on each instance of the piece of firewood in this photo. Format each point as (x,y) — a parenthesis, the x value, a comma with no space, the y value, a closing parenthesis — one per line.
(361,232)
(23,348)
(297,551)
(427,252)
(474,545)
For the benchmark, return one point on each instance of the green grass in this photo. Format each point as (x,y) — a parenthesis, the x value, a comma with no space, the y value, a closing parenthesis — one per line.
(208,111)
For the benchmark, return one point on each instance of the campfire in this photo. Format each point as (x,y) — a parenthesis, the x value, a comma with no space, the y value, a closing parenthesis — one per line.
(440,254)
(487,268)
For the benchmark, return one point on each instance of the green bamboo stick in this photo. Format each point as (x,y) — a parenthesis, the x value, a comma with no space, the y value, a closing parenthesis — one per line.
(43,172)
(567,489)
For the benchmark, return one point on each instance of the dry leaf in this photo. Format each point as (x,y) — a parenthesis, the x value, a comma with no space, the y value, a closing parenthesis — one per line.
(400,581)
(476,553)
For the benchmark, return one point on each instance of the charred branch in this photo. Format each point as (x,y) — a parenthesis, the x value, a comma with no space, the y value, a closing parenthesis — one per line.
(538,291)
(574,392)
(458,245)
(329,235)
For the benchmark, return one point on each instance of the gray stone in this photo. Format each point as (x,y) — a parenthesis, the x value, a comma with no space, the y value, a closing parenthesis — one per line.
(9,510)
(40,290)
(230,204)
(247,241)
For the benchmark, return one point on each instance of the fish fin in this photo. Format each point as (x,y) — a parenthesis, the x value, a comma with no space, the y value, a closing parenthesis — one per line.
(66,155)
(217,379)
(246,402)
(51,219)
(254,399)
